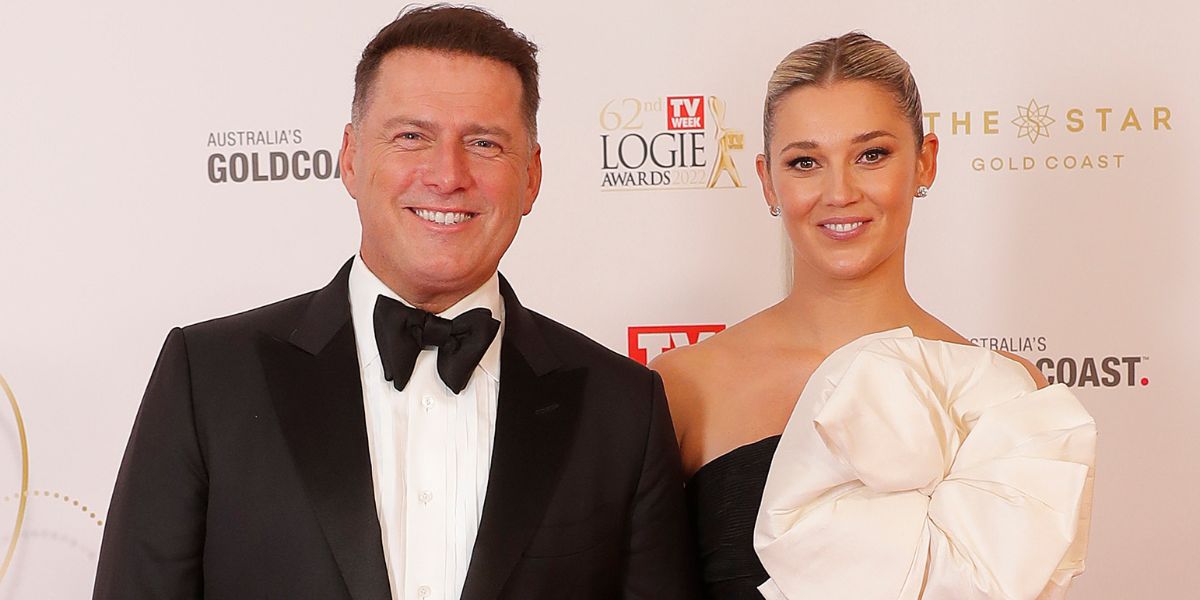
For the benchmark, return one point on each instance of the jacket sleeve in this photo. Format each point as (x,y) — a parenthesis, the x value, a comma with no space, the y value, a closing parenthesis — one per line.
(660,559)
(154,536)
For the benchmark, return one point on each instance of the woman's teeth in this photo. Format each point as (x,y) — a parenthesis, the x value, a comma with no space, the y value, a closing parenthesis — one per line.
(843,227)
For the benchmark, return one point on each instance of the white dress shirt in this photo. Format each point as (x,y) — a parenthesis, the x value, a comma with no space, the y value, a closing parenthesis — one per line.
(430,449)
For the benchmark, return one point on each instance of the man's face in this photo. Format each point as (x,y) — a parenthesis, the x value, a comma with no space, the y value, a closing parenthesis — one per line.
(442,167)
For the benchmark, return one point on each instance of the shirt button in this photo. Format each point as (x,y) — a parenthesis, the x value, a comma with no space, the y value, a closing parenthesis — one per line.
(425,497)
(427,402)
(424,591)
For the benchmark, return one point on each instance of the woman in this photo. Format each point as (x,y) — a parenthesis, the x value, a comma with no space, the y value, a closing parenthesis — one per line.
(845,443)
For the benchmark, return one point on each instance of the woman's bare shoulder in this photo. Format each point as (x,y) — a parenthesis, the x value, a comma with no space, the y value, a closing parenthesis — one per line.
(692,373)
(941,331)
(690,366)
(1035,373)
(697,360)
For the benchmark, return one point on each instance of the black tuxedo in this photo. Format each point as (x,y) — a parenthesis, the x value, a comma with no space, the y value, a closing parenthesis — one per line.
(248,475)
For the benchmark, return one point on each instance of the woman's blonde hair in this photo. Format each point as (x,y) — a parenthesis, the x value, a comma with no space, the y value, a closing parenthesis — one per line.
(854,56)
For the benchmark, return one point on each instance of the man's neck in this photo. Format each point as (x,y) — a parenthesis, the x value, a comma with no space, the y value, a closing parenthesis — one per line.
(428,298)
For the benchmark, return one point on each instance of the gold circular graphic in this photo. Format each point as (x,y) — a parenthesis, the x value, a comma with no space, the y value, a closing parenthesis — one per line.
(48,494)
(16,532)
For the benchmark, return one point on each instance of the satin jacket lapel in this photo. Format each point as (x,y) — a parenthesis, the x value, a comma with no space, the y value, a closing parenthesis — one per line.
(536,414)
(317,394)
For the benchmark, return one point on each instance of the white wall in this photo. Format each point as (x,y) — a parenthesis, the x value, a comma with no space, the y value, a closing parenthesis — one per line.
(111,232)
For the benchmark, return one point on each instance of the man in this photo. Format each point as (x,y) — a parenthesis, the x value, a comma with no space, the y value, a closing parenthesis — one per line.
(343,444)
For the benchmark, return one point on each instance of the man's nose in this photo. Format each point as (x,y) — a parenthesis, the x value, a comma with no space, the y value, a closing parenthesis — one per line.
(448,170)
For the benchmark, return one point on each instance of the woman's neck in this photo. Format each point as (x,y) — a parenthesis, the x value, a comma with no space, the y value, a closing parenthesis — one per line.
(826,313)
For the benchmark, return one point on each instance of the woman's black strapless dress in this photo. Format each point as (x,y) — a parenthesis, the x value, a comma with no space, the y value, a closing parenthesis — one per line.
(723,498)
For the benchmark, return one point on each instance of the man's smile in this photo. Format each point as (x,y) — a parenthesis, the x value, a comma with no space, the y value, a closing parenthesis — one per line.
(443,217)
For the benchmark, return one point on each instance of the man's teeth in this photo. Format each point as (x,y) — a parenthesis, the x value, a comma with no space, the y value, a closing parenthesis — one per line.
(843,227)
(442,218)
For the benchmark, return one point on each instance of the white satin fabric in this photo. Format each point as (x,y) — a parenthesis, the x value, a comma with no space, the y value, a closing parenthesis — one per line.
(923,469)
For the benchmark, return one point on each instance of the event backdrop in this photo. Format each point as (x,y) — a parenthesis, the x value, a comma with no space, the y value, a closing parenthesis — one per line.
(165,163)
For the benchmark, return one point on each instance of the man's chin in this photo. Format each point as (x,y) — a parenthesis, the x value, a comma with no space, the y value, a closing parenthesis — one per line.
(443,282)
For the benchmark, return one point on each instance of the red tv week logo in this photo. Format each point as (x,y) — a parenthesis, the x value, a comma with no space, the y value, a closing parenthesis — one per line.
(648,341)
(685,112)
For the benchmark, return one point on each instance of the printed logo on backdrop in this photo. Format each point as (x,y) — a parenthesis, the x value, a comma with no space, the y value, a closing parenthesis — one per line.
(1086,371)
(646,342)
(672,142)
(248,156)
(1091,133)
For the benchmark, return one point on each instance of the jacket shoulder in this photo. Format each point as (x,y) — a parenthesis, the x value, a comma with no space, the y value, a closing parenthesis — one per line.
(578,350)
(276,319)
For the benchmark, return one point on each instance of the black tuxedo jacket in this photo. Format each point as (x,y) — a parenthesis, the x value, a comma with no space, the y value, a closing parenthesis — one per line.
(248,476)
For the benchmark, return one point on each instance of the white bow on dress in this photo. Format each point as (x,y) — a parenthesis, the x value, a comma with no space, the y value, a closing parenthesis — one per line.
(918,469)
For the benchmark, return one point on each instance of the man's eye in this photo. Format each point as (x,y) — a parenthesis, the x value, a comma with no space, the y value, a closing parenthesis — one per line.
(484,147)
(408,139)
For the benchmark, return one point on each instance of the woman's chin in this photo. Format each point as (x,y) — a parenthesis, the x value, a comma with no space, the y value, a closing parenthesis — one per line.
(839,270)
(848,273)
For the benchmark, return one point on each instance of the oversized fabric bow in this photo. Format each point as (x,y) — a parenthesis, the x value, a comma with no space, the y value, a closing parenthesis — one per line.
(917,469)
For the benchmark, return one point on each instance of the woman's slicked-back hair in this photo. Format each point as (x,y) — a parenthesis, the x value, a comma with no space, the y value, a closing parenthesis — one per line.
(854,56)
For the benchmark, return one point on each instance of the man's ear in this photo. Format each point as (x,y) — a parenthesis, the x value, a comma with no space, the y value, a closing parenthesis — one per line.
(534,173)
(346,159)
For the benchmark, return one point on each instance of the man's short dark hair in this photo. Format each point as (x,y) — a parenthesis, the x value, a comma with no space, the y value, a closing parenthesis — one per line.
(456,29)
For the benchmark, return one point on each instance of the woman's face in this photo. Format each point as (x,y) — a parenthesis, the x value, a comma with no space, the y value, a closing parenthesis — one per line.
(844,169)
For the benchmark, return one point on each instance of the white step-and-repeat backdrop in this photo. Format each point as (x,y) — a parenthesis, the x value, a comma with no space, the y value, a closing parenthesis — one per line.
(161,164)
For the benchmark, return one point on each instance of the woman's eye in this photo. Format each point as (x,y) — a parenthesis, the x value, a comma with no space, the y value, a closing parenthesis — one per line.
(874,155)
(804,163)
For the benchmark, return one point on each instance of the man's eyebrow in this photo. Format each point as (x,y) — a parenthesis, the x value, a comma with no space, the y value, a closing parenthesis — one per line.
(402,121)
(475,129)
(499,132)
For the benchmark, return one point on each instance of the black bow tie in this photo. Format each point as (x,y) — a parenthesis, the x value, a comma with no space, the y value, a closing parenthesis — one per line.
(402,332)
